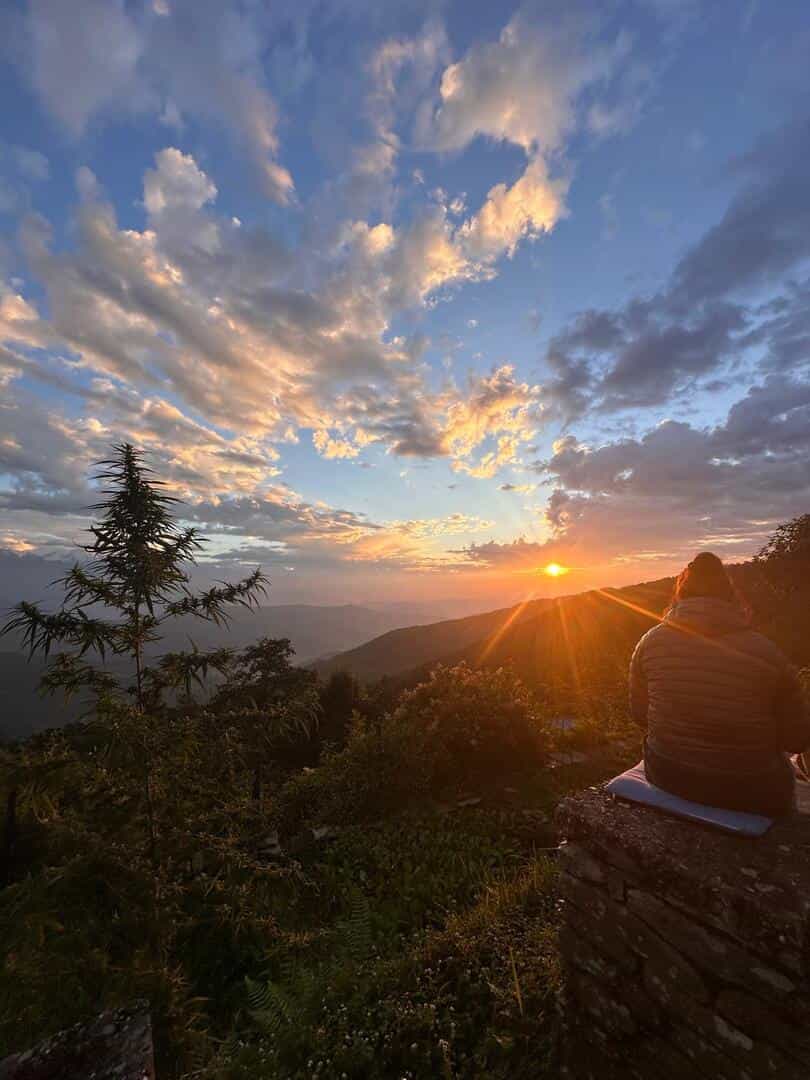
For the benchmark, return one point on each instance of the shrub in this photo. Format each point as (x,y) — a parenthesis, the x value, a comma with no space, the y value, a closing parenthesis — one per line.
(463,729)
(376,774)
(478,725)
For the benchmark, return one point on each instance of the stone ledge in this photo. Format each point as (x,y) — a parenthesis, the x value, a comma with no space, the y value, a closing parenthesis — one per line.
(754,889)
(684,950)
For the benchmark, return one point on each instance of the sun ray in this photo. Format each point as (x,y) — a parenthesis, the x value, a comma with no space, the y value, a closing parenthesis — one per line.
(570,652)
(717,642)
(498,634)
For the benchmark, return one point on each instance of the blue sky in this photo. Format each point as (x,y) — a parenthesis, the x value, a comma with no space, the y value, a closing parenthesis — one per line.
(409,300)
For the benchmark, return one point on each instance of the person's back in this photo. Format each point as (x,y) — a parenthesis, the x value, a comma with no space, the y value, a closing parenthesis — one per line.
(719,702)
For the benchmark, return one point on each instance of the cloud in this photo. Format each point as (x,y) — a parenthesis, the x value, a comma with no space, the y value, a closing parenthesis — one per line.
(620,113)
(710,317)
(519,555)
(333,448)
(228,487)
(489,410)
(526,88)
(522,88)
(95,59)
(658,356)
(176,183)
(766,228)
(28,163)
(495,408)
(211,311)
(20,166)
(531,206)
(401,70)
(783,329)
(95,38)
(679,487)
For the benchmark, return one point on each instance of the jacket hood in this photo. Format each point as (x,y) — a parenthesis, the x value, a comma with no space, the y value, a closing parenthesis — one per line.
(708,615)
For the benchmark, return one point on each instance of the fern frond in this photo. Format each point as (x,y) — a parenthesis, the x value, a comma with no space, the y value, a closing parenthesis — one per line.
(358,929)
(271,1007)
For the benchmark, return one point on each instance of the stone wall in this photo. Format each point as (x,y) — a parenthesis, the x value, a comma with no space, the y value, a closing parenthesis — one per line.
(686,951)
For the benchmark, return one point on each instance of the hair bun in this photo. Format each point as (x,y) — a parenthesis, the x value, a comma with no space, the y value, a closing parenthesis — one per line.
(706,560)
(704,576)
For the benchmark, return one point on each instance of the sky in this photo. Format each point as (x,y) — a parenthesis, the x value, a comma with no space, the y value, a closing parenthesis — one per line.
(408,300)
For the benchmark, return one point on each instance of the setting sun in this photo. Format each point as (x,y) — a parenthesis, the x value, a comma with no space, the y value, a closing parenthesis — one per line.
(555,570)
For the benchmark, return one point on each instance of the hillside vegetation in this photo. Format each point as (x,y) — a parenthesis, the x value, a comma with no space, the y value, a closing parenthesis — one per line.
(305,878)
(312,630)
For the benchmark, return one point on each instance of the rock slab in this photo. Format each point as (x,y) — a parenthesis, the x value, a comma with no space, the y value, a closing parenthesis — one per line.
(116,1045)
(685,951)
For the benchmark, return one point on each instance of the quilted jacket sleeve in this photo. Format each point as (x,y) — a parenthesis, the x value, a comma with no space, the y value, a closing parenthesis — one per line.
(638,686)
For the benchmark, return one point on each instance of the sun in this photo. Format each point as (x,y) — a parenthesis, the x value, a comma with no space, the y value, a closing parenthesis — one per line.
(555,570)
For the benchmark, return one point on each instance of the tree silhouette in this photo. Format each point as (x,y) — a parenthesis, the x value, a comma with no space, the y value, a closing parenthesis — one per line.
(785,559)
(135,580)
(138,569)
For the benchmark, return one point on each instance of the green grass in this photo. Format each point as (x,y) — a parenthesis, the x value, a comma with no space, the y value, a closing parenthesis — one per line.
(447,967)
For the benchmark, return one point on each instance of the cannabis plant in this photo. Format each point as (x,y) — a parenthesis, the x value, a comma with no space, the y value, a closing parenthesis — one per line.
(116,603)
(136,580)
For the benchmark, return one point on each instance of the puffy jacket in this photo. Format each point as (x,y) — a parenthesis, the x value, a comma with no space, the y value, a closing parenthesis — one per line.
(712,693)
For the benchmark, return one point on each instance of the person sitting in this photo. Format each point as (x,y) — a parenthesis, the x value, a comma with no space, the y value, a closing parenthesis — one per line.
(720,705)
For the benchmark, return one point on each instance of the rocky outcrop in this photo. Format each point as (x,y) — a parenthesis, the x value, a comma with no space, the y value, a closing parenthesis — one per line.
(116,1045)
(686,951)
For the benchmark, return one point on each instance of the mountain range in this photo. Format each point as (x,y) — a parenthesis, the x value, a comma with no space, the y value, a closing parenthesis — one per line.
(581,640)
(314,631)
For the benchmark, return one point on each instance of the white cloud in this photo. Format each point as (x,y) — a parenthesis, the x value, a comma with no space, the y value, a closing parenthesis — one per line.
(212,313)
(94,59)
(531,206)
(176,183)
(84,57)
(331,448)
(522,88)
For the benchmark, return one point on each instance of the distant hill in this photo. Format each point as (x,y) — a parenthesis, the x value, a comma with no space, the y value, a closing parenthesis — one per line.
(400,651)
(22,710)
(313,631)
(585,639)
(579,631)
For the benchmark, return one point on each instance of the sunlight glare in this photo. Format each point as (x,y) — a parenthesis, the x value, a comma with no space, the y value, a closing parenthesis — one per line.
(555,570)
